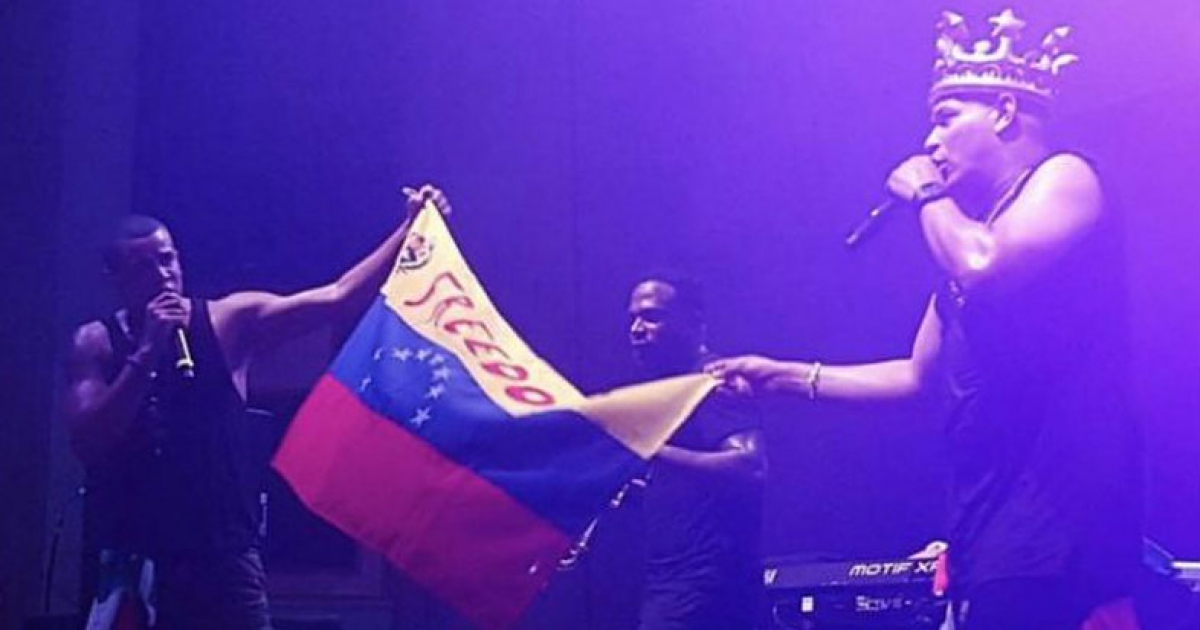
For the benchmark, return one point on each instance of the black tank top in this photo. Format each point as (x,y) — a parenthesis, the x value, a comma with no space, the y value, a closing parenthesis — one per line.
(1045,452)
(187,482)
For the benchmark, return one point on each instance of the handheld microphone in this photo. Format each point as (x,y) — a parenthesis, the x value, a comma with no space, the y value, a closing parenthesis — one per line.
(184,362)
(930,191)
(869,224)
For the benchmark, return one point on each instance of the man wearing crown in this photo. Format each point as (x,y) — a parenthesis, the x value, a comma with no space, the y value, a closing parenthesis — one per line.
(1022,341)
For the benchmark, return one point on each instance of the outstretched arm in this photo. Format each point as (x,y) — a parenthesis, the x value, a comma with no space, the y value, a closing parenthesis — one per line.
(883,380)
(260,319)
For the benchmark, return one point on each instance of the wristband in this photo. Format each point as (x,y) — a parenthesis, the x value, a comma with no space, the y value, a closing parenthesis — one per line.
(139,366)
(928,193)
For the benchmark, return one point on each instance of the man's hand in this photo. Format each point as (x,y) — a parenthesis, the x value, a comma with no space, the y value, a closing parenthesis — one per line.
(914,175)
(749,374)
(415,199)
(166,312)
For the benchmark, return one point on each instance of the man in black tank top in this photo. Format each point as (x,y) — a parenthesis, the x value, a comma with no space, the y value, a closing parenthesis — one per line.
(702,504)
(1024,341)
(172,486)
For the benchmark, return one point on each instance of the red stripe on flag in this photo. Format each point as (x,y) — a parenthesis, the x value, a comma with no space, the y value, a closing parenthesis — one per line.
(450,530)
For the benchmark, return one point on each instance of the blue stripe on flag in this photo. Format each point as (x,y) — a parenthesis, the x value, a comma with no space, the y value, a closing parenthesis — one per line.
(426,390)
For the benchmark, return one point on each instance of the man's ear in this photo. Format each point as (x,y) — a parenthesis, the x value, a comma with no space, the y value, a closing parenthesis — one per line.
(1005,114)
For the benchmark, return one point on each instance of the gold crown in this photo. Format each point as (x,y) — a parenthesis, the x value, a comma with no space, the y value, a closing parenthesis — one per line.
(994,63)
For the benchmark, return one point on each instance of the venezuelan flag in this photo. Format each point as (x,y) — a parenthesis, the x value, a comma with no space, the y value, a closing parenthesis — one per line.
(439,439)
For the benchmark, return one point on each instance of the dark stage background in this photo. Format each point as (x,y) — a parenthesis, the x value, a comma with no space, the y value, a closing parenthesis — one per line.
(581,143)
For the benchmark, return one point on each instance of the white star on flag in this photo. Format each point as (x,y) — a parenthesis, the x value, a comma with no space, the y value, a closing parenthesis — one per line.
(436,391)
(423,415)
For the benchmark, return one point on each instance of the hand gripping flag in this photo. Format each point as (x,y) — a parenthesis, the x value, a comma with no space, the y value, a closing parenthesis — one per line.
(439,439)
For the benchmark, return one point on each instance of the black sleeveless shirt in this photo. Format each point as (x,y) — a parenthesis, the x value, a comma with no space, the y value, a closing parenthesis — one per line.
(702,534)
(185,483)
(1045,452)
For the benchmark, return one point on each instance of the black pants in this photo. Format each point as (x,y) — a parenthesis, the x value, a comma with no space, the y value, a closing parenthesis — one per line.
(226,591)
(1042,603)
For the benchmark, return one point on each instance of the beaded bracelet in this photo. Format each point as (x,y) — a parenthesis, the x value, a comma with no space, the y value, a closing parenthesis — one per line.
(813,379)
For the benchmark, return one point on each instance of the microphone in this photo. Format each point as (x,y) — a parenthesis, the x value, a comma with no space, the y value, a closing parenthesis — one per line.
(184,362)
(928,192)
(869,224)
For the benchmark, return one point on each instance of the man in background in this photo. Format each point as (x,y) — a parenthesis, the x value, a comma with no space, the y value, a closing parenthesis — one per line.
(703,500)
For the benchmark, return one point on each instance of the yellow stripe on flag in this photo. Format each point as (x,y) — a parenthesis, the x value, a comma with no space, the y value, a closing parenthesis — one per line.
(434,291)
(644,416)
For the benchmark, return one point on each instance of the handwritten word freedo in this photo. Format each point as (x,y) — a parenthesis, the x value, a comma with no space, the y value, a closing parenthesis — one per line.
(477,338)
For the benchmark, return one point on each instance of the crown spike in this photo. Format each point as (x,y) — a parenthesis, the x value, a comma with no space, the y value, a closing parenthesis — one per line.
(952,26)
(1057,40)
(1062,61)
(1007,24)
